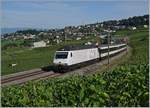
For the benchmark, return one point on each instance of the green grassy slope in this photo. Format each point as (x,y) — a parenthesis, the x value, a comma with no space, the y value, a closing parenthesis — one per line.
(138,41)
(6,42)
(140,45)
(27,59)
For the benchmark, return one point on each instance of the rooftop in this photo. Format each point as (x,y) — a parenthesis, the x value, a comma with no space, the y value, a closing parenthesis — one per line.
(79,47)
(76,47)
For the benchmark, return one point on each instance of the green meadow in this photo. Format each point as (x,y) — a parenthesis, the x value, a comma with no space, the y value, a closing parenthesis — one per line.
(27,58)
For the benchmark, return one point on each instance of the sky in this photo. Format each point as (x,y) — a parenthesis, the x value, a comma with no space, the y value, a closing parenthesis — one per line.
(57,14)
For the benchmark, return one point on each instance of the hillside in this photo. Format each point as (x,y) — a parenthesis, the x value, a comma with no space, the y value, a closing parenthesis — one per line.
(71,32)
(17,50)
(125,85)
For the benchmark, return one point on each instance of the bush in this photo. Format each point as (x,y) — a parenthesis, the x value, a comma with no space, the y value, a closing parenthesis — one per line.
(124,86)
(10,45)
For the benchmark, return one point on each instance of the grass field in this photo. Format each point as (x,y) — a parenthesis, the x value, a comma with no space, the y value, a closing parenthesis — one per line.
(138,41)
(27,59)
(6,42)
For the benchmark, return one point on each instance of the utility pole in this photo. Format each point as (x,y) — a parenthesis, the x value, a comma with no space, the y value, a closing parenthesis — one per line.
(108,39)
(99,46)
(98,39)
(65,37)
(126,41)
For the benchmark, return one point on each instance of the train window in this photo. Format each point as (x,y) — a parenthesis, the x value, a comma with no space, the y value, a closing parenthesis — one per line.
(71,54)
(61,55)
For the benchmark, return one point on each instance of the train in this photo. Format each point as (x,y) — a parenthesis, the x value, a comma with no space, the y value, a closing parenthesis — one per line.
(72,57)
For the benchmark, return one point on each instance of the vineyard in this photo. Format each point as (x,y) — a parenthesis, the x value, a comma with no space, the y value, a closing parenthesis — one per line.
(125,85)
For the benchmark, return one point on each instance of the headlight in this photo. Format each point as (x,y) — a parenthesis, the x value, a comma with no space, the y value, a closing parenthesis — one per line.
(65,64)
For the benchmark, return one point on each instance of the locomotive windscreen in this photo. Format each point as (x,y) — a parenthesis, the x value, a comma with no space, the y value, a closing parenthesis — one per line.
(61,55)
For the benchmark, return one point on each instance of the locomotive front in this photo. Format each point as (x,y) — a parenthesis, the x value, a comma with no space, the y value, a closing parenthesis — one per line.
(61,58)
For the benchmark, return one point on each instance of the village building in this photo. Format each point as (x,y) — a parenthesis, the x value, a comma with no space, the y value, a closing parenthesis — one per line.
(78,38)
(145,26)
(103,36)
(133,28)
(39,44)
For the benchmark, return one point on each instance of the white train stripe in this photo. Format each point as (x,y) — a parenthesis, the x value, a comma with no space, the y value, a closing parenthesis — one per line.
(112,46)
(112,52)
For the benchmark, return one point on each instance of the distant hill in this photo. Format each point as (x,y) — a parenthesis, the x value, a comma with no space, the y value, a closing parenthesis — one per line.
(131,21)
(10,30)
(19,30)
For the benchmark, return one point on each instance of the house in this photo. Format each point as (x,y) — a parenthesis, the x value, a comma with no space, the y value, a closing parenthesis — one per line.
(57,37)
(114,31)
(88,43)
(32,36)
(107,30)
(29,36)
(47,41)
(145,26)
(39,44)
(57,41)
(116,27)
(103,36)
(133,28)
(122,27)
(2,37)
(78,38)
(102,25)
(96,25)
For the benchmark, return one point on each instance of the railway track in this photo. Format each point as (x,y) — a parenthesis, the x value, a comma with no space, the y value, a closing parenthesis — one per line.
(24,77)
(5,80)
